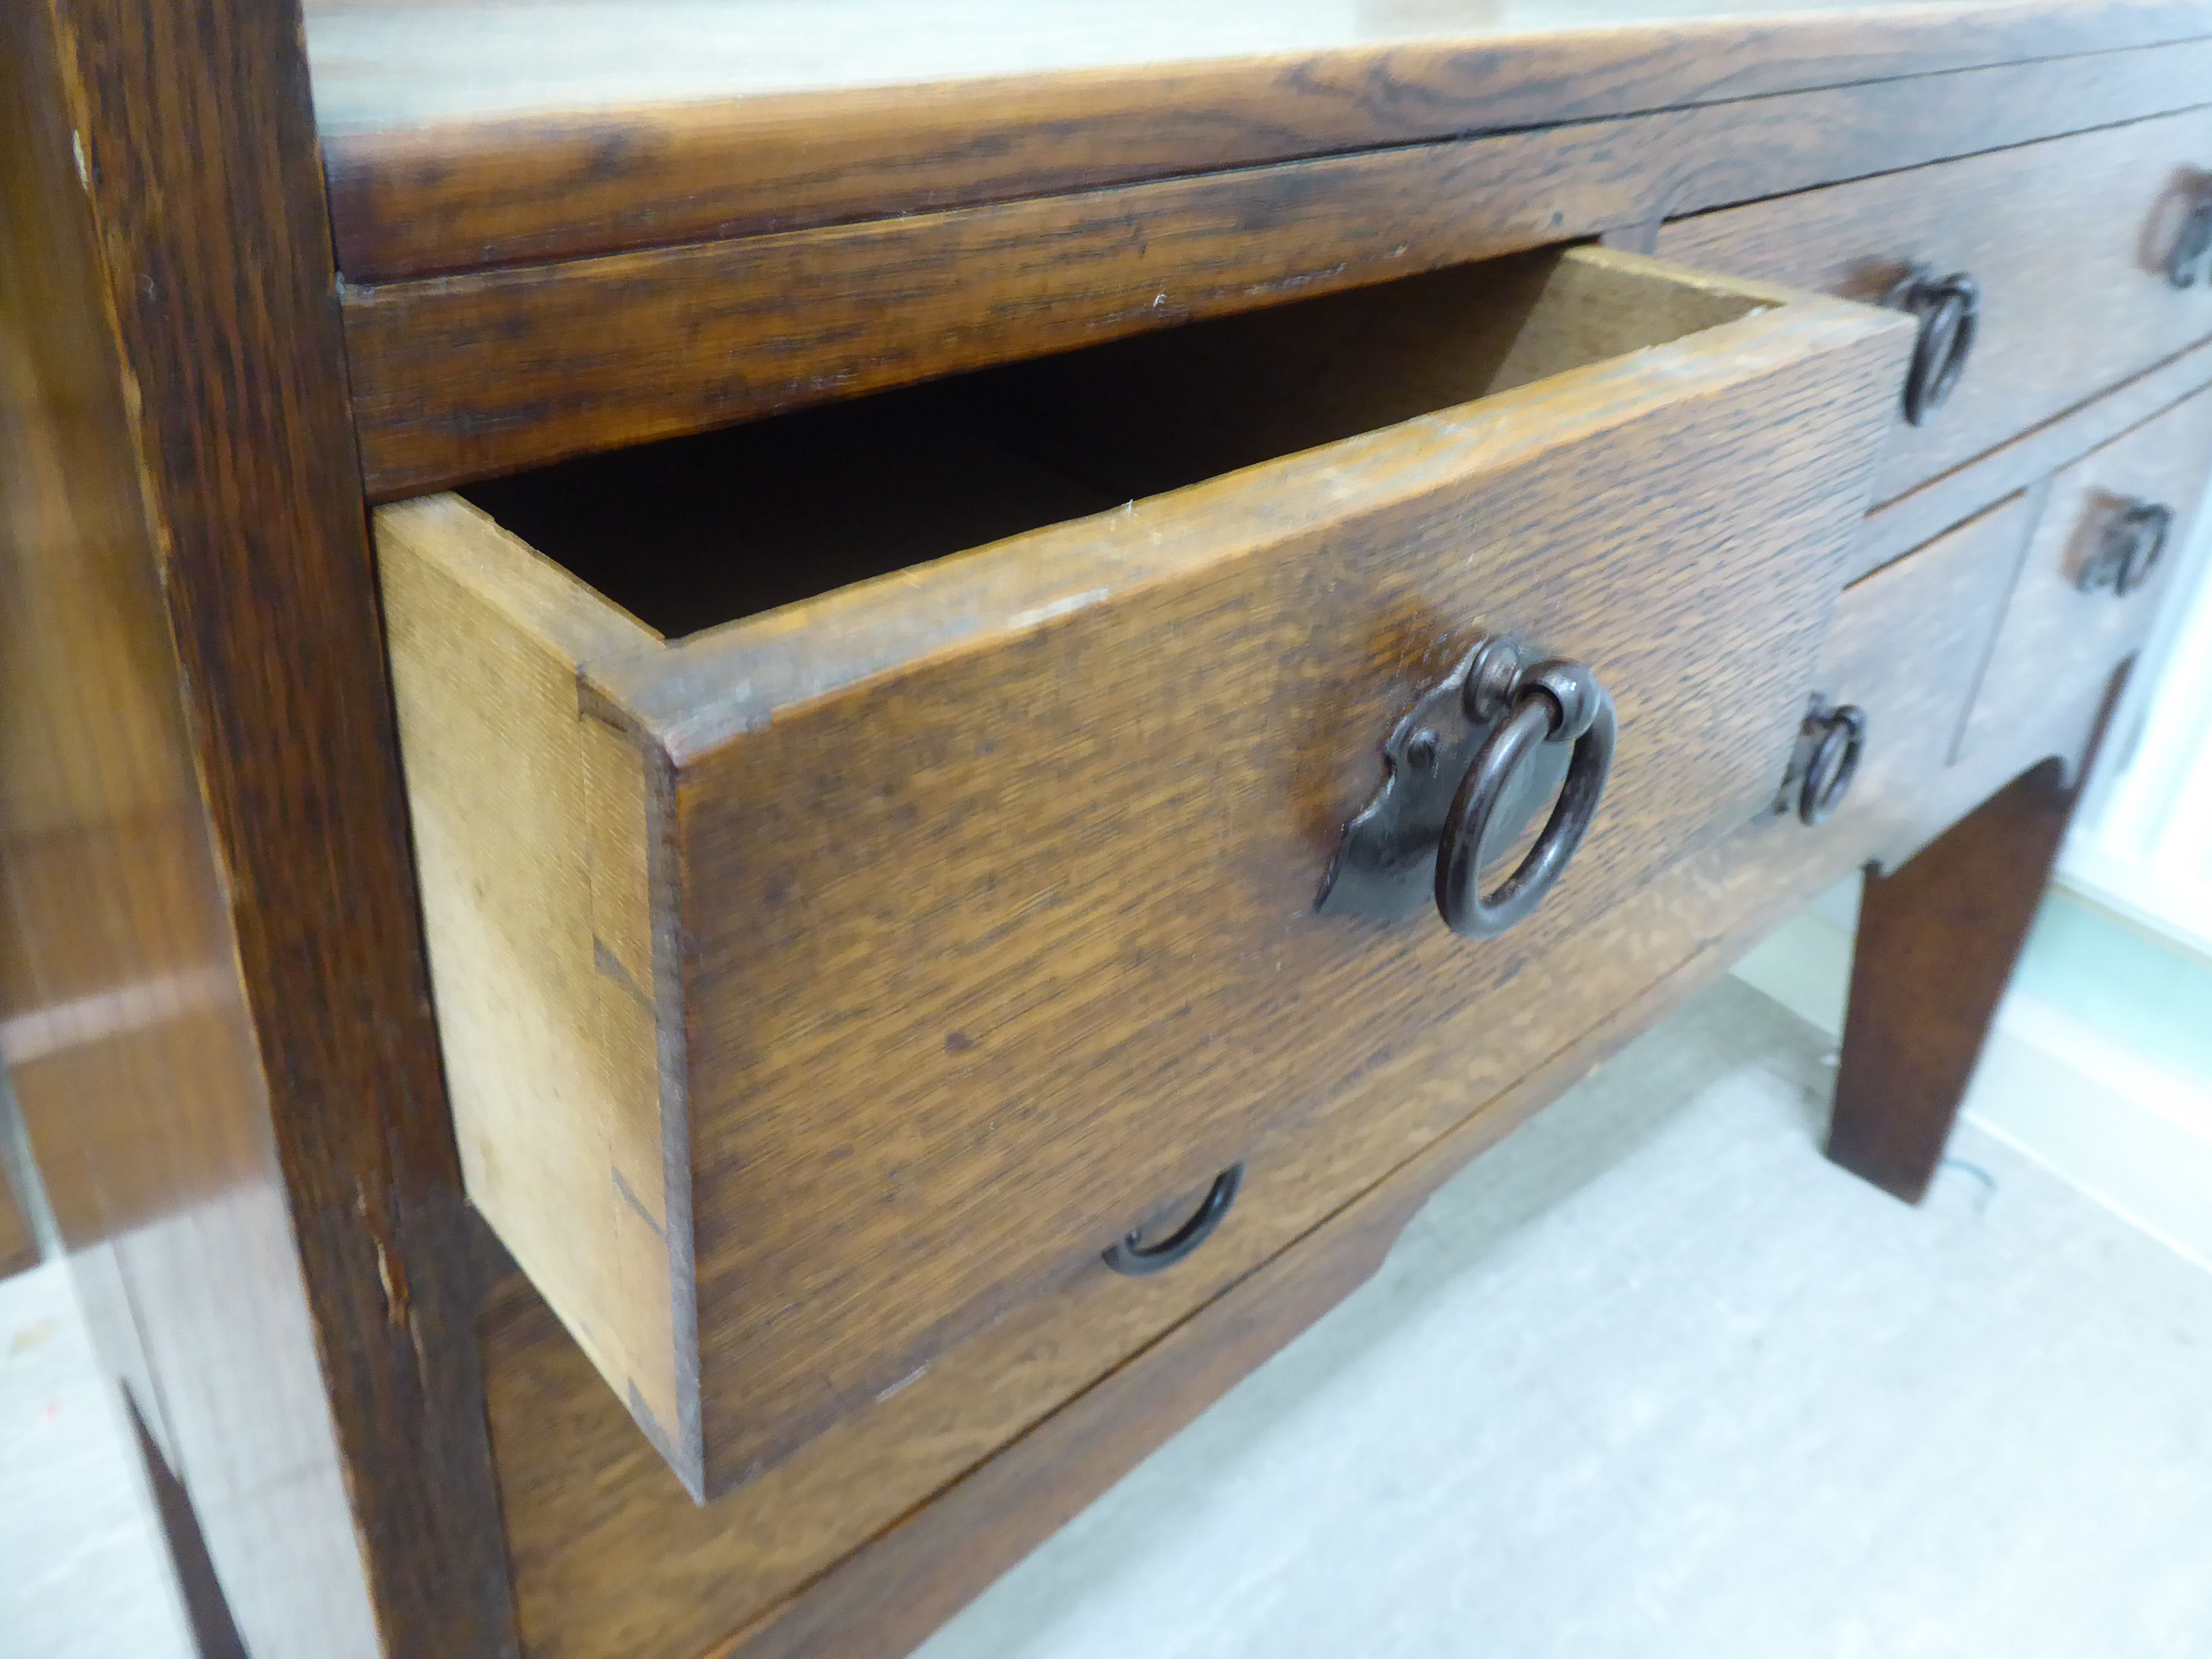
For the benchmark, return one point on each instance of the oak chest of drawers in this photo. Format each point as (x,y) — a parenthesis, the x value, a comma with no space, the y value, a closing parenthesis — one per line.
(1026,695)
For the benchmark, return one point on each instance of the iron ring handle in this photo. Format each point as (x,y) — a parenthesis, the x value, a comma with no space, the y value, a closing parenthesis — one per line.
(1557,700)
(1949,311)
(2191,258)
(1131,1255)
(2150,526)
(1835,763)
(2133,543)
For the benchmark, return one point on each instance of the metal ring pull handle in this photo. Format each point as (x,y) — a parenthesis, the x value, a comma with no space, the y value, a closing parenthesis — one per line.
(2190,262)
(1132,1256)
(1553,702)
(1949,310)
(1838,739)
(2134,541)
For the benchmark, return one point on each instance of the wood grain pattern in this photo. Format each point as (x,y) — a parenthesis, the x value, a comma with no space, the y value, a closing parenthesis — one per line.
(195,533)
(2057,639)
(888,1596)
(1911,519)
(636,1567)
(606,1574)
(1908,647)
(124,1022)
(992,945)
(2068,239)
(467,376)
(455,139)
(546,979)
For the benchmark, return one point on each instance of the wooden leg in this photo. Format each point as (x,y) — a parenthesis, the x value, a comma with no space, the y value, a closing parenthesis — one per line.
(1936,944)
(215,1633)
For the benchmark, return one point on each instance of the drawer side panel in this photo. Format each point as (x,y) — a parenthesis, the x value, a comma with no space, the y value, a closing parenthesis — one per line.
(532,823)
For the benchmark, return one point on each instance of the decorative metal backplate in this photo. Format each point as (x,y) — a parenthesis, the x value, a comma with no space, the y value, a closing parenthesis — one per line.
(1385,866)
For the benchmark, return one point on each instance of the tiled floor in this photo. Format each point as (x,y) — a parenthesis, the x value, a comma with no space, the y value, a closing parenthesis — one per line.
(1651,1380)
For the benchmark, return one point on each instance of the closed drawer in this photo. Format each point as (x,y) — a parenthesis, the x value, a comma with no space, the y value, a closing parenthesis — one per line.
(2077,611)
(1906,651)
(2068,241)
(822,977)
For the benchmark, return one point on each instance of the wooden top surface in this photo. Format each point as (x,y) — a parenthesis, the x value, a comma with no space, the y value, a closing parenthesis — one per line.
(380,63)
(463,133)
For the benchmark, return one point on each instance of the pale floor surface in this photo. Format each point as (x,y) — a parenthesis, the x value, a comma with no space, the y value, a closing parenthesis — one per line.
(82,1574)
(1652,1379)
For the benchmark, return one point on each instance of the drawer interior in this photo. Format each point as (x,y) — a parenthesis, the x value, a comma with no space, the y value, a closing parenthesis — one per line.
(708,529)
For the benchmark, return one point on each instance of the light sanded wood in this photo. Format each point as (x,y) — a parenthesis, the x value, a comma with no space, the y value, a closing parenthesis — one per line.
(2068,238)
(993,877)
(534,825)
(2058,642)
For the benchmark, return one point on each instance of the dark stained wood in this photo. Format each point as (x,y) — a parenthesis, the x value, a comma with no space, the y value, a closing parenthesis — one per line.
(1937,939)
(2055,633)
(1908,648)
(890,1595)
(211,915)
(124,1025)
(2068,239)
(995,894)
(606,1573)
(463,377)
(636,1567)
(450,148)
(1899,525)
(214,1632)
(609,1553)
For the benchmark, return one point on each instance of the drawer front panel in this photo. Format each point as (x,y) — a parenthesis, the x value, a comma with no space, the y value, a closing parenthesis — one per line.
(2068,240)
(988,957)
(1907,648)
(1905,645)
(2061,643)
(933,934)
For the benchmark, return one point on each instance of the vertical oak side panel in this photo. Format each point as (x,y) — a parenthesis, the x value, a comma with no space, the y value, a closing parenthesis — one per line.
(190,134)
(123,1020)
(532,821)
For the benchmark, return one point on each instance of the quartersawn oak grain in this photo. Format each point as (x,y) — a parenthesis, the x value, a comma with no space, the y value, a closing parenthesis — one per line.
(1908,648)
(605,1575)
(994,878)
(447,153)
(467,376)
(1912,520)
(2068,239)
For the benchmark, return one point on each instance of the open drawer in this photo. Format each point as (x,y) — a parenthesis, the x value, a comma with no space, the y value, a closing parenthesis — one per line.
(836,944)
